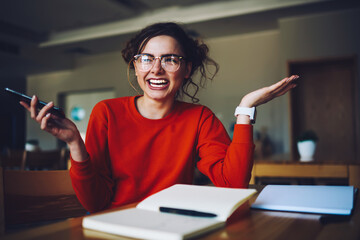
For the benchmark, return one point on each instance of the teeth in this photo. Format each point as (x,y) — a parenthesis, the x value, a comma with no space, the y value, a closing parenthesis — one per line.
(156,81)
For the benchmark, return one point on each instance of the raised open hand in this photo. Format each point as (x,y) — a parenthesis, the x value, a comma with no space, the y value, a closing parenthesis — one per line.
(263,95)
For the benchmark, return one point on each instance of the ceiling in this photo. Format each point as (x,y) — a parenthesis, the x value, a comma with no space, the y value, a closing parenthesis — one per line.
(31,31)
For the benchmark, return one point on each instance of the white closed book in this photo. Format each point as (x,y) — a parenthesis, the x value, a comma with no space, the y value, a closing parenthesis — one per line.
(338,200)
(178,212)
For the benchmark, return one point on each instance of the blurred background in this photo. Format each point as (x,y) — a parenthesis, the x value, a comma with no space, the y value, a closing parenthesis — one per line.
(68,51)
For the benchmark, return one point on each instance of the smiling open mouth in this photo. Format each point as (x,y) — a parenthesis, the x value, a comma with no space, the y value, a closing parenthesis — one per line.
(158,83)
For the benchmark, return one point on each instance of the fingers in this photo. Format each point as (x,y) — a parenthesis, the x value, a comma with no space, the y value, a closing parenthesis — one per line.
(44,121)
(279,85)
(283,85)
(33,109)
(49,125)
(286,81)
(292,78)
(291,83)
(25,105)
(44,111)
(42,116)
(266,94)
(285,90)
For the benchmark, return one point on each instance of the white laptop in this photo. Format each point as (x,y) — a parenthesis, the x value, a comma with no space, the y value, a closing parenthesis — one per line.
(337,200)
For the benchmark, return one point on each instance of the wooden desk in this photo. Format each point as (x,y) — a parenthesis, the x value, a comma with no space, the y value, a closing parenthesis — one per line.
(243,224)
(287,169)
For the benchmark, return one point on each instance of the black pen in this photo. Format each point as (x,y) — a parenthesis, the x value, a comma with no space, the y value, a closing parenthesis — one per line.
(186,212)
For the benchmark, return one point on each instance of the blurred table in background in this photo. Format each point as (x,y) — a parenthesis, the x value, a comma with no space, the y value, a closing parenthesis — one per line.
(290,172)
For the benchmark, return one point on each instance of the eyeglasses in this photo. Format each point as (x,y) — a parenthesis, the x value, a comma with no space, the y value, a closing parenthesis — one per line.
(170,62)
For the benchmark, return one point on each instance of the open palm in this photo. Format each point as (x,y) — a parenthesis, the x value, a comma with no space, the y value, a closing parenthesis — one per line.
(263,95)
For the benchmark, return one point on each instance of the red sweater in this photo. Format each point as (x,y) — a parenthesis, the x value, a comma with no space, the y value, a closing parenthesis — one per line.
(131,157)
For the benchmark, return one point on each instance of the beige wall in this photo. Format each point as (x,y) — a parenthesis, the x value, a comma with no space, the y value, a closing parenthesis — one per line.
(320,36)
(247,62)
(235,78)
(85,101)
(90,73)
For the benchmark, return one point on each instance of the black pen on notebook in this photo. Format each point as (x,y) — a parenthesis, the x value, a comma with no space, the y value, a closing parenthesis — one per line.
(186,212)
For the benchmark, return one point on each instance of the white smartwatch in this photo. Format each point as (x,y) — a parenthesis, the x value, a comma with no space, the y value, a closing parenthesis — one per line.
(251,112)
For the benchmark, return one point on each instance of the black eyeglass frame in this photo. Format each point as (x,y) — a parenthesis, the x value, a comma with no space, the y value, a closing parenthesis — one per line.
(136,57)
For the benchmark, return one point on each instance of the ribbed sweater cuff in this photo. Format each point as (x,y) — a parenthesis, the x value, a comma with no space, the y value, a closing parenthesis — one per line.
(81,169)
(243,133)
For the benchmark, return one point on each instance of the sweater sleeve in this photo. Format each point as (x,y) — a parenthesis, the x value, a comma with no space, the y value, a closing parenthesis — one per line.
(92,179)
(226,163)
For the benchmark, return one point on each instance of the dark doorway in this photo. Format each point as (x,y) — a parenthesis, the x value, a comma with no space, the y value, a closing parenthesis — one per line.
(326,101)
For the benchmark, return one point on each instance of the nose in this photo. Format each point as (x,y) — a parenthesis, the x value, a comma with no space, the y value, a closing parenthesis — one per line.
(157,68)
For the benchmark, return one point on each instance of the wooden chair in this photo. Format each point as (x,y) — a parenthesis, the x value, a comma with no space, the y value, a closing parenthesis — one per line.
(2,208)
(33,197)
(45,160)
(14,159)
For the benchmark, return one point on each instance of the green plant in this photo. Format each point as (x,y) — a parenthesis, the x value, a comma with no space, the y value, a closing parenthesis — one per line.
(308,135)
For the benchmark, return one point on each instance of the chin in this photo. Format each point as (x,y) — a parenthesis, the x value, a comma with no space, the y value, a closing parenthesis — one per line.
(160,96)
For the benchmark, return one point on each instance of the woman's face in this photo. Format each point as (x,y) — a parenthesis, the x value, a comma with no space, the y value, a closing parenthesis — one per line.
(157,83)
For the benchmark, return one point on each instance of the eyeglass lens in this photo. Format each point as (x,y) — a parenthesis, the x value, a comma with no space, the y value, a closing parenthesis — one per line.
(170,63)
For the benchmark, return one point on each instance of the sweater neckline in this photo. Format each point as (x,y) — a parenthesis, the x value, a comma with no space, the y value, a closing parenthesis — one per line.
(138,116)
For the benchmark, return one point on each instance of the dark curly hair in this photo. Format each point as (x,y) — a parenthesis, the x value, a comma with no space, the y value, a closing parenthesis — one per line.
(195,52)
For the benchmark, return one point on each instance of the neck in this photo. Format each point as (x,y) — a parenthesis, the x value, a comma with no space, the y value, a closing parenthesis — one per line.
(152,109)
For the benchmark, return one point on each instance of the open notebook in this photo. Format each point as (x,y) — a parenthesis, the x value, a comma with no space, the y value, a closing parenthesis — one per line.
(337,200)
(178,212)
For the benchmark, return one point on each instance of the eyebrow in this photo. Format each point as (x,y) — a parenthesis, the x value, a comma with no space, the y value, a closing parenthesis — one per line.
(164,55)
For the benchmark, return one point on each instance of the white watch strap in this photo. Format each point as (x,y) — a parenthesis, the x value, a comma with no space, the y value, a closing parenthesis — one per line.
(246,111)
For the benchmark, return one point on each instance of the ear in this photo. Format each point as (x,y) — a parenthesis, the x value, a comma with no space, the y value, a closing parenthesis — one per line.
(188,69)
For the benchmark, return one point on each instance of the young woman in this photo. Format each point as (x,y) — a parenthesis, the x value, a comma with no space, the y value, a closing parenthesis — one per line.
(139,145)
